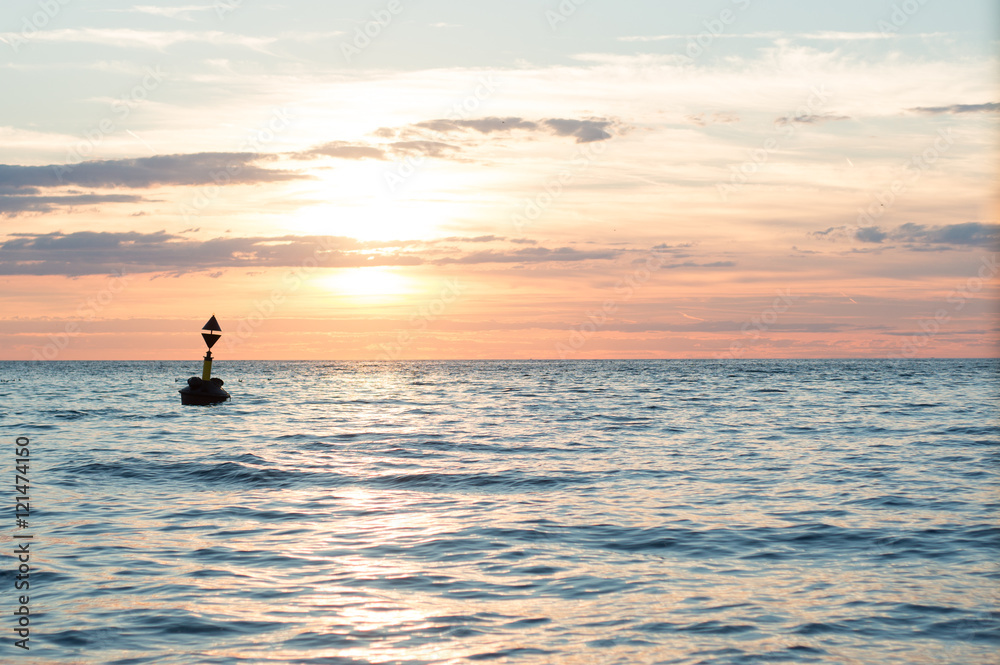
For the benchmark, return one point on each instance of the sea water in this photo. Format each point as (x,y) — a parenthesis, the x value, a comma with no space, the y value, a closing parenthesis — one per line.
(505,511)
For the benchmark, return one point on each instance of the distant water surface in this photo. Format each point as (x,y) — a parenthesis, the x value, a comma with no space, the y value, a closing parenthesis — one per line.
(512,512)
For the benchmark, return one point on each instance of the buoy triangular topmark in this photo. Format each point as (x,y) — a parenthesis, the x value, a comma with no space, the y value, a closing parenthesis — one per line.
(210,339)
(212,325)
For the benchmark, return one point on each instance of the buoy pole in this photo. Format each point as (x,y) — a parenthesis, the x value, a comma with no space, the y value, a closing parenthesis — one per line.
(210,337)
(206,370)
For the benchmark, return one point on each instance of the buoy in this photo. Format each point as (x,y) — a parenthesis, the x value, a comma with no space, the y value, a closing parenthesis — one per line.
(207,389)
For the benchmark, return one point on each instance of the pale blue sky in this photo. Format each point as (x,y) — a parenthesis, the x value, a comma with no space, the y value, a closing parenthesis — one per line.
(61,72)
(496,34)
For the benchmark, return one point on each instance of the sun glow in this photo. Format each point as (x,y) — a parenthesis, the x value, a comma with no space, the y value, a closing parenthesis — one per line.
(357,201)
(370,284)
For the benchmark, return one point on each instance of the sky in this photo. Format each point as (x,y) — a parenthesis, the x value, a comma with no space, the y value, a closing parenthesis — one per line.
(420,179)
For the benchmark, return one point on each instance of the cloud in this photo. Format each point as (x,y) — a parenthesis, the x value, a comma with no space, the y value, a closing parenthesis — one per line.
(144,172)
(703,120)
(83,240)
(531,255)
(20,185)
(183,12)
(870,234)
(738,327)
(847,36)
(23,188)
(809,119)
(343,150)
(346,150)
(824,35)
(91,253)
(472,239)
(972,234)
(585,131)
(12,206)
(99,252)
(991,107)
(430,148)
(481,125)
(147,39)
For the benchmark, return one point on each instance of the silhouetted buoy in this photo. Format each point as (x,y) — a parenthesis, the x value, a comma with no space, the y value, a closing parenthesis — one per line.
(207,389)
